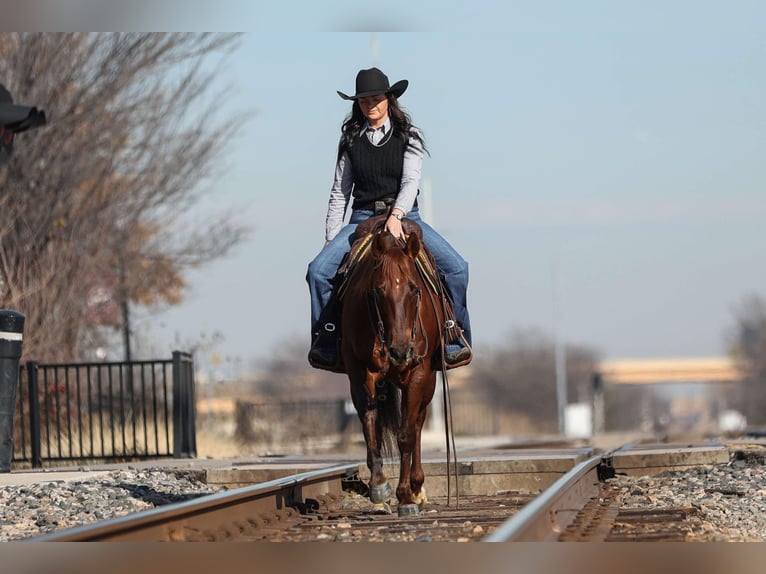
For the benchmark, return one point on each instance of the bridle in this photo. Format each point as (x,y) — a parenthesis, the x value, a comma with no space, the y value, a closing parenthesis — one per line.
(379,328)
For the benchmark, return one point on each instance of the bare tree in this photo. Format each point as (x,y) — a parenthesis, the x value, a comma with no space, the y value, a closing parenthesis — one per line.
(92,206)
(286,373)
(520,375)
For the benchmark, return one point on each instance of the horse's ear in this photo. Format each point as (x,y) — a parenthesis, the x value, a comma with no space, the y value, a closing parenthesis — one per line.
(377,247)
(413,245)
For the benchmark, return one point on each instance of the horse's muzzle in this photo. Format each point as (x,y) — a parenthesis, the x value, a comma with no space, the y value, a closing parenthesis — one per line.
(401,355)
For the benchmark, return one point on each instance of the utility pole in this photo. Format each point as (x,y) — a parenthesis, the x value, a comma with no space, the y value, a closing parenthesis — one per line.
(437,424)
(559,351)
(374,48)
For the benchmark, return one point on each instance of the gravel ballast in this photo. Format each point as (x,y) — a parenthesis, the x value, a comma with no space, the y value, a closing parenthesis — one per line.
(730,500)
(36,509)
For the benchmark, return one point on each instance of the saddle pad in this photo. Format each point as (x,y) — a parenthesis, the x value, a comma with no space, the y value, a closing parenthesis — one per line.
(361,247)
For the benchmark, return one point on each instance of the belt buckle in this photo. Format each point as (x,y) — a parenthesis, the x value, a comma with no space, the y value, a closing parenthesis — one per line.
(380,207)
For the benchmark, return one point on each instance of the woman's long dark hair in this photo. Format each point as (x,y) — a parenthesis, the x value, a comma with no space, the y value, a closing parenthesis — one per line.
(400,120)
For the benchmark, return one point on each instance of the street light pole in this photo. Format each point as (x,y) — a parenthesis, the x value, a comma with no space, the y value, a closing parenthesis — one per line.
(559,352)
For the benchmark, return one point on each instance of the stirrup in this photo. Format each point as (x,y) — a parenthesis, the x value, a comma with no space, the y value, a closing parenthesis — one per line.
(460,358)
(325,350)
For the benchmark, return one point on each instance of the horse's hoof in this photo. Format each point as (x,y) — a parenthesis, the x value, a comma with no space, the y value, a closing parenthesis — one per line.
(420,498)
(409,510)
(380,508)
(381,493)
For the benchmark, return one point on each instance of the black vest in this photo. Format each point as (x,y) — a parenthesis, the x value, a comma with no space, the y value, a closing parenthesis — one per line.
(377,170)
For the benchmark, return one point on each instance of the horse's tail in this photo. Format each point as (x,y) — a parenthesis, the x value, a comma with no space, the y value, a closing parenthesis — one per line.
(389,417)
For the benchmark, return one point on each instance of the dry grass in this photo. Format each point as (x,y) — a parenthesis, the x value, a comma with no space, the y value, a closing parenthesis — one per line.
(213,443)
(217,440)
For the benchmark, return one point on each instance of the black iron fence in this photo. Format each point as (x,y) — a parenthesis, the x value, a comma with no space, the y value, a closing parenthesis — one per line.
(82,412)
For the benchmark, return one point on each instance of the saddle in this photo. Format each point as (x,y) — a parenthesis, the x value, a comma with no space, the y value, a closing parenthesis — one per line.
(363,236)
(360,248)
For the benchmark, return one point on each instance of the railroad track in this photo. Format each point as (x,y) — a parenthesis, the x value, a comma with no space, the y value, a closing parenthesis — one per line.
(329,504)
(218,516)
(582,507)
(306,507)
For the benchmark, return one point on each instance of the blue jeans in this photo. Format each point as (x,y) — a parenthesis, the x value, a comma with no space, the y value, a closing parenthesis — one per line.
(452,267)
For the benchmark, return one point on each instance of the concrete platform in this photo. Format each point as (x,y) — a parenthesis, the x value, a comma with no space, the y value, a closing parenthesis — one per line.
(651,459)
(234,472)
(485,464)
(483,471)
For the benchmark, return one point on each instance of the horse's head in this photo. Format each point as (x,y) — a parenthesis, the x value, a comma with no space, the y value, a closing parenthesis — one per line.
(396,295)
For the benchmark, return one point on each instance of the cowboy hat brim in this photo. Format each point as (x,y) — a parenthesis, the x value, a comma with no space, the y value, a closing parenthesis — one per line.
(396,90)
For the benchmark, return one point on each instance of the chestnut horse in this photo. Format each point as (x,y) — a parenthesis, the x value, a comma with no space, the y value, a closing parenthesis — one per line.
(391,336)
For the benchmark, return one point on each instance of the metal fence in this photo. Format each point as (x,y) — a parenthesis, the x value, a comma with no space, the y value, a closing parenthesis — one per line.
(105,411)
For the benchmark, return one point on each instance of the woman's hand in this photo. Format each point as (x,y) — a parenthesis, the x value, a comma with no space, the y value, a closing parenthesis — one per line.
(394,225)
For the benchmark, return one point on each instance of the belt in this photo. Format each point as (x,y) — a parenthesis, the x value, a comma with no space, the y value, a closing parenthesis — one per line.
(378,206)
(383,205)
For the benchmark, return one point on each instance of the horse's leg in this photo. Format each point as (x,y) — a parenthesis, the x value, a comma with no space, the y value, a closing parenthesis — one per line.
(417,476)
(365,401)
(406,442)
(415,399)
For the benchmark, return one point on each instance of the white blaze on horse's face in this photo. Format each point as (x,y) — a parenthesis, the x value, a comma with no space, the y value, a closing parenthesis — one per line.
(396,298)
(399,308)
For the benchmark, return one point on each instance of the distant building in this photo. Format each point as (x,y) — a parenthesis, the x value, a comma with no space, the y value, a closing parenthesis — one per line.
(686,395)
(670,370)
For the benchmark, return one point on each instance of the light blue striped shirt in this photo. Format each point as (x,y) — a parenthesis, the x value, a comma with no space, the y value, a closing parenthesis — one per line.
(343,185)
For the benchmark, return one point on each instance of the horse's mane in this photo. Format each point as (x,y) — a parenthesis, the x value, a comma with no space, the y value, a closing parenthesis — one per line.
(390,257)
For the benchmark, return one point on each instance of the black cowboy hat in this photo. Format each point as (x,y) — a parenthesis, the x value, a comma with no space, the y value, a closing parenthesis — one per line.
(372,82)
(16,117)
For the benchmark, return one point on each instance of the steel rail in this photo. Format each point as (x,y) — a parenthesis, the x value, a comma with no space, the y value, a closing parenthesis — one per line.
(545,517)
(168,523)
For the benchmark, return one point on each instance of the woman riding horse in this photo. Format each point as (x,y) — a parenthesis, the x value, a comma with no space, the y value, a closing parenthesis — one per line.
(379,163)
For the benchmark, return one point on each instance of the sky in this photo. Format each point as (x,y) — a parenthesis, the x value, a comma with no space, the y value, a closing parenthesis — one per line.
(599,165)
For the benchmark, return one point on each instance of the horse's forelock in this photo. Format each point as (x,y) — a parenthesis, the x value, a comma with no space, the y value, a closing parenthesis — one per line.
(395,264)
(384,242)
(387,261)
